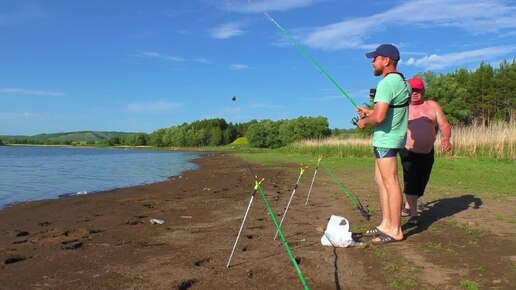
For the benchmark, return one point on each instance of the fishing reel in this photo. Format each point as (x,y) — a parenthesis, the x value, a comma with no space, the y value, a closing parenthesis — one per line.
(372,93)
(354,121)
(364,211)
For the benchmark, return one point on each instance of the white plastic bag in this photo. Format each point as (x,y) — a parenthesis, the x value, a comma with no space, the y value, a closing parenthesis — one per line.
(337,234)
(157,221)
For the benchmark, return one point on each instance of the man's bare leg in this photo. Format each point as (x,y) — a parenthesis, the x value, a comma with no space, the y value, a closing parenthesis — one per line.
(388,170)
(382,193)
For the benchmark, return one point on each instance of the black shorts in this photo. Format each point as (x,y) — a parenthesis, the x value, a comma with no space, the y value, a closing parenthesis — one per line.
(416,171)
(380,152)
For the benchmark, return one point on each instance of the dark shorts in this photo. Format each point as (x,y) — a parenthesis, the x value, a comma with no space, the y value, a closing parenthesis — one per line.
(416,171)
(385,152)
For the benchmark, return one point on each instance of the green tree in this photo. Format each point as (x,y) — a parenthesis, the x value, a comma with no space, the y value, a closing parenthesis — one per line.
(481,85)
(156,138)
(264,134)
(114,141)
(303,128)
(138,139)
(505,83)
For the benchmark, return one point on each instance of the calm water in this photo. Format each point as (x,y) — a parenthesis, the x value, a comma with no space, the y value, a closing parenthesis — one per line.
(33,173)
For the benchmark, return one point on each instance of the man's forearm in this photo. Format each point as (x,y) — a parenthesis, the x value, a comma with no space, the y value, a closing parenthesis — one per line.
(445,132)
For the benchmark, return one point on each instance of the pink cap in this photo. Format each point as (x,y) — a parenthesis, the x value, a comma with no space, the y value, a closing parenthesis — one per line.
(416,84)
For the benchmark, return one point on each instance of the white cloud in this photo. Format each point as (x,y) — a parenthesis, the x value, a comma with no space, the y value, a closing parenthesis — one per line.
(238,66)
(29,92)
(257,6)
(157,55)
(346,34)
(227,30)
(435,62)
(481,16)
(478,17)
(153,106)
(202,60)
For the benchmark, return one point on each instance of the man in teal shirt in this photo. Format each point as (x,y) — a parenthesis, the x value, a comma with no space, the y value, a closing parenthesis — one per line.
(390,119)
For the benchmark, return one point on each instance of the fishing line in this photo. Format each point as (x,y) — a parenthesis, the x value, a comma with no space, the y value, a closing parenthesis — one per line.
(323,71)
(291,196)
(356,203)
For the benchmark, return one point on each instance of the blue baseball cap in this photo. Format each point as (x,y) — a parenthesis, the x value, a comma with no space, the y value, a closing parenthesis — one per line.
(387,50)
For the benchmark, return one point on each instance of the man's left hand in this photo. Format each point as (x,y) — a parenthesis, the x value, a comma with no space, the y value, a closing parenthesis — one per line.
(361,124)
(446,145)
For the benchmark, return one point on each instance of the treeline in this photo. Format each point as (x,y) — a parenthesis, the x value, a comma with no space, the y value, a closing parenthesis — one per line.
(275,134)
(481,96)
(217,132)
(475,97)
(211,132)
(36,141)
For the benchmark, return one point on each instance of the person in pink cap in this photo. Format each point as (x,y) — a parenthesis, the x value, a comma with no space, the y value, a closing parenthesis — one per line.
(417,158)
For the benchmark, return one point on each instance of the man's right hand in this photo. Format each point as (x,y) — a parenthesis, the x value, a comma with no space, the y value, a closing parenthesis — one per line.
(362,112)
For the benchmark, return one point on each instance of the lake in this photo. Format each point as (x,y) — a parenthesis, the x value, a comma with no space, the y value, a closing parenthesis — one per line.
(34,173)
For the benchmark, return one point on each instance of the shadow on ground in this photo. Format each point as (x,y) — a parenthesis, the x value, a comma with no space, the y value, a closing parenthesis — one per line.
(441,208)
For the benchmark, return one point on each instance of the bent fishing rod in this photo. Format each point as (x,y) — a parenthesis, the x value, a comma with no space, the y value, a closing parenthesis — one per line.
(323,71)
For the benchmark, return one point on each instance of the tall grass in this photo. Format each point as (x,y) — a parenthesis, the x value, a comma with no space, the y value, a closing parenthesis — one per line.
(497,141)
(355,146)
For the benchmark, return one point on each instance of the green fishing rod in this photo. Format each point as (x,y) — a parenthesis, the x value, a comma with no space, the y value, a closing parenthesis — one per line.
(296,44)
(257,187)
(356,203)
(291,255)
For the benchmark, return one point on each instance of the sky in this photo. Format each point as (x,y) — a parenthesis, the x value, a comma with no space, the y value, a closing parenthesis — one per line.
(138,66)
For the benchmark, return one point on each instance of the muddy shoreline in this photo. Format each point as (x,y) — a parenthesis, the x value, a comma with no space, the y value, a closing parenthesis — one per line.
(107,241)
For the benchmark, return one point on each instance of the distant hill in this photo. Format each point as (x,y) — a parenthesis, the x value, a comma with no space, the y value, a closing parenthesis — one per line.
(80,136)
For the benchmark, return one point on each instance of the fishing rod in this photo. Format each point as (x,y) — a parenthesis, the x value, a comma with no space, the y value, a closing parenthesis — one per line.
(313,179)
(296,44)
(356,203)
(258,187)
(292,258)
(248,206)
(243,221)
(291,196)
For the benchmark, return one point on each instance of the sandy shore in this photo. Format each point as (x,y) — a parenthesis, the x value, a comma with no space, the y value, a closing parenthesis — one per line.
(107,241)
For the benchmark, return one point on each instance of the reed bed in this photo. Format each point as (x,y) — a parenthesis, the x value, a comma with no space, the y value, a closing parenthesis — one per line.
(332,147)
(497,141)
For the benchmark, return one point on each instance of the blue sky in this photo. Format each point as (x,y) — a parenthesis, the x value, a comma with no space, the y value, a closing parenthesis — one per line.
(137,66)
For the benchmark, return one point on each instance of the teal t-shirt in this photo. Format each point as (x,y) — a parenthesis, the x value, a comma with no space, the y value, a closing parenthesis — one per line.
(392,132)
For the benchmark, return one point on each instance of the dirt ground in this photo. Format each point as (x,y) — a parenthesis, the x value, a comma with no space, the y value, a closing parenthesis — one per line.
(107,241)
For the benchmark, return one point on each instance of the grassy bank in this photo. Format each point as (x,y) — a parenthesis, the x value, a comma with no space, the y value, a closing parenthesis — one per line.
(497,141)
(451,175)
